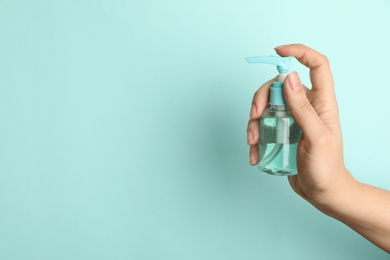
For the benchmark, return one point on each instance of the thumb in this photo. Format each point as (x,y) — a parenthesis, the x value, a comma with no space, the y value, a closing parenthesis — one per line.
(301,109)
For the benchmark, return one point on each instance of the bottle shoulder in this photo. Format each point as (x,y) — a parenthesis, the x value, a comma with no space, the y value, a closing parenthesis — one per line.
(270,112)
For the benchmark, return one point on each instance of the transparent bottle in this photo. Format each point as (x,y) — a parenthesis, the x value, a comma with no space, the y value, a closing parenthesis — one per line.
(278,141)
(279,134)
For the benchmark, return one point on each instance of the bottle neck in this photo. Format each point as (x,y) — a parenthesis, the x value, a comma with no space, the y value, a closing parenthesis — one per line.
(279,108)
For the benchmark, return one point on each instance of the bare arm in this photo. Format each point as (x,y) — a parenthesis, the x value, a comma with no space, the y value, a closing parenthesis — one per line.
(365,209)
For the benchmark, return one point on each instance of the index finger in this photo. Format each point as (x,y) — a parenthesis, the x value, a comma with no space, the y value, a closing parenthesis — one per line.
(320,73)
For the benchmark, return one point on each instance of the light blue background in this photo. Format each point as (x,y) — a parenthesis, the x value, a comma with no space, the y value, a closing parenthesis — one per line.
(123,127)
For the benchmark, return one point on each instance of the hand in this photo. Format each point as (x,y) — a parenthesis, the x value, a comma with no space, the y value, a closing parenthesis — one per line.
(322,175)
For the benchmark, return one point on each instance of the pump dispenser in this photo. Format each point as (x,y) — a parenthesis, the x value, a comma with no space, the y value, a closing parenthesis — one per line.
(279,134)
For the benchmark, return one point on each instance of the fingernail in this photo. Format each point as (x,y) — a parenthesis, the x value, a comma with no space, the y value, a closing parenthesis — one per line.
(280,47)
(252,158)
(250,137)
(293,81)
(253,111)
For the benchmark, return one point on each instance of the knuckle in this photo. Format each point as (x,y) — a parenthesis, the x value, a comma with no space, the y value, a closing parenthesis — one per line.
(303,104)
(263,90)
(306,144)
(327,141)
(257,95)
(324,140)
(252,125)
(325,59)
(249,127)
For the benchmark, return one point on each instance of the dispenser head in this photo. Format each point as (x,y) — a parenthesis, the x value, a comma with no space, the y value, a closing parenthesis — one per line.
(282,63)
(283,66)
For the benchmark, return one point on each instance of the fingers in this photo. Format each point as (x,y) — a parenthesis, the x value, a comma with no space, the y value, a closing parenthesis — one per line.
(253,131)
(253,154)
(259,103)
(260,99)
(320,73)
(301,109)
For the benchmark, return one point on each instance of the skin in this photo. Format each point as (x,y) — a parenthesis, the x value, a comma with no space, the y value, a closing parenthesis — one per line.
(323,180)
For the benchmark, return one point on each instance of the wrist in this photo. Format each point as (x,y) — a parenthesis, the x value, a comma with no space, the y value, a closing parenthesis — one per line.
(341,194)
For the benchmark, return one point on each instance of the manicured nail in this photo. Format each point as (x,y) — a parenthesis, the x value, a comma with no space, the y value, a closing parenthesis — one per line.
(250,137)
(253,111)
(280,47)
(293,81)
(253,159)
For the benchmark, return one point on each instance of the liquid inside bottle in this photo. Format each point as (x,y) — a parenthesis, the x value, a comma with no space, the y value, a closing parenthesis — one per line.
(279,137)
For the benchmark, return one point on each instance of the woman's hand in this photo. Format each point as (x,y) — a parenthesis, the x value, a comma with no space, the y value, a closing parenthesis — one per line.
(321,171)
(322,177)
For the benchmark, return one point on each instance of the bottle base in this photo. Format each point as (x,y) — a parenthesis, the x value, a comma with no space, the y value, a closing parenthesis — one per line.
(277,172)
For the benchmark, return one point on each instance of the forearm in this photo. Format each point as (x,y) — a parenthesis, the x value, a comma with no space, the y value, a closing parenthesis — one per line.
(365,209)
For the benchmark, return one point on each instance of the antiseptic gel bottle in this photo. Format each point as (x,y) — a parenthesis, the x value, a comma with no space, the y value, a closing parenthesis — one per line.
(279,134)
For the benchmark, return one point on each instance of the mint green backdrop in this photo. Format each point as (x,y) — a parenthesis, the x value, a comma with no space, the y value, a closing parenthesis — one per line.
(123,127)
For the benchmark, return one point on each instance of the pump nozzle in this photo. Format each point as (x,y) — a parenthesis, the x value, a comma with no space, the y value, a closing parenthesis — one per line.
(282,63)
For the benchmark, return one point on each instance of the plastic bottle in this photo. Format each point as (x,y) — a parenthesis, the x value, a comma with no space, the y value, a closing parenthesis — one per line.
(279,134)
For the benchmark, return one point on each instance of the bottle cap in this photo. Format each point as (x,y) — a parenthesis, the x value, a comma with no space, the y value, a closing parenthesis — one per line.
(283,65)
